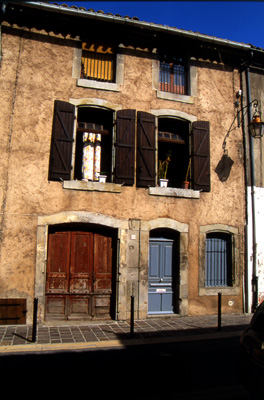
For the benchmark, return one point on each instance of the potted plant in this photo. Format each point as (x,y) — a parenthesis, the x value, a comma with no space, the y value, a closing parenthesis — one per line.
(163,169)
(102,177)
(185,183)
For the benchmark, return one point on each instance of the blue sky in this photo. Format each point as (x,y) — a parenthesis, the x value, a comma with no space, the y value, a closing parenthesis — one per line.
(241,21)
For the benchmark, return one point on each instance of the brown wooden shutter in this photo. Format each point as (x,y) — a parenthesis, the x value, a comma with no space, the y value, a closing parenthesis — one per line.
(13,311)
(125,147)
(61,142)
(145,149)
(201,156)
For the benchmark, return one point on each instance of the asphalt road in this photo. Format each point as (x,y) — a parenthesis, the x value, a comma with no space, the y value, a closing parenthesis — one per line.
(193,370)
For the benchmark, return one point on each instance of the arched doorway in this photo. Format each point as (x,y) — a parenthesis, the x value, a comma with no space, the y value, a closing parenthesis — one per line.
(81,272)
(164,272)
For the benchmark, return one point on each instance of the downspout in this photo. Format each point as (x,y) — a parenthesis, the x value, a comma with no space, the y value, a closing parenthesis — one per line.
(252,170)
(245,133)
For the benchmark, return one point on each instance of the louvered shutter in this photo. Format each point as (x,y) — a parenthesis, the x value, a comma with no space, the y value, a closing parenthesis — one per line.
(125,147)
(201,155)
(145,149)
(61,142)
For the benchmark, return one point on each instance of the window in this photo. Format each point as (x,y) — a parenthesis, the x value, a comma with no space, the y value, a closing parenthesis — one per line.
(103,142)
(98,146)
(93,149)
(98,62)
(189,148)
(173,139)
(218,271)
(173,77)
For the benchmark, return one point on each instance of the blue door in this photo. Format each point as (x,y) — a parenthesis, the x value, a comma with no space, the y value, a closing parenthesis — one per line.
(160,282)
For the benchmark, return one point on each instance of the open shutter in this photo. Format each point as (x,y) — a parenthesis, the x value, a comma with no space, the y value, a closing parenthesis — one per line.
(125,147)
(201,155)
(61,142)
(145,149)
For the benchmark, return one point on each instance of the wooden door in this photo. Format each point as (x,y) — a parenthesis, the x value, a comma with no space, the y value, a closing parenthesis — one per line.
(79,275)
(58,263)
(102,274)
(81,266)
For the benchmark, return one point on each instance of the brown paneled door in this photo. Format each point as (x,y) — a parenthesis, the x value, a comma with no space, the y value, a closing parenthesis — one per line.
(79,275)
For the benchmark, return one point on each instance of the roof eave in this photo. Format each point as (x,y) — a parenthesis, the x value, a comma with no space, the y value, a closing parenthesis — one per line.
(141,24)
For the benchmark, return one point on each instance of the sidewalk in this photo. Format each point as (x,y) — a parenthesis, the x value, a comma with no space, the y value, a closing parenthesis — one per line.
(91,335)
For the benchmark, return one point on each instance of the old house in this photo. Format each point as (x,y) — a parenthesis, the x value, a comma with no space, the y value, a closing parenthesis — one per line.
(85,94)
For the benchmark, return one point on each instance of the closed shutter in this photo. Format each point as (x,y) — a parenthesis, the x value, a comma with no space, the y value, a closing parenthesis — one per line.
(13,311)
(145,149)
(125,147)
(61,142)
(201,156)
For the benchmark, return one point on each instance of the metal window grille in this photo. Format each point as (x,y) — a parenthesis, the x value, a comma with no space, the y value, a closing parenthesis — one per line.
(98,66)
(172,78)
(218,260)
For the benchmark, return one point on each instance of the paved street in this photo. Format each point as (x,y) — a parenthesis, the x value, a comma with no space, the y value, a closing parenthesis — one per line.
(112,332)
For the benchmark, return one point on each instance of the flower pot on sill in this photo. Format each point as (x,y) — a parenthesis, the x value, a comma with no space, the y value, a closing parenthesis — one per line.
(185,185)
(102,178)
(163,182)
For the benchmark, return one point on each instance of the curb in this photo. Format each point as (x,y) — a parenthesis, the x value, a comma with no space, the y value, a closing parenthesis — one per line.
(33,348)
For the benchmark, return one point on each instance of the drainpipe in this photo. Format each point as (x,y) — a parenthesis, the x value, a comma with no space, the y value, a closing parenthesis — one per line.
(245,134)
(252,169)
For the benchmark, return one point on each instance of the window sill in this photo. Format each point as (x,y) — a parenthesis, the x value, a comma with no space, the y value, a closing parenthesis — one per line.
(174,97)
(174,192)
(213,291)
(98,85)
(92,186)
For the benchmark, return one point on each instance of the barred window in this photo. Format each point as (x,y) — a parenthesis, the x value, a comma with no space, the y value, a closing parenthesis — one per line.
(98,62)
(173,77)
(218,260)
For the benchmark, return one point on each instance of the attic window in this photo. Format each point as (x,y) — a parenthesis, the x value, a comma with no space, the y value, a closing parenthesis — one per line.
(173,76)
(98,62)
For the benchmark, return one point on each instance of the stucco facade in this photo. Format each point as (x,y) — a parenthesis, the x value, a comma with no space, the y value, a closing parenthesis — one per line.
(38,67)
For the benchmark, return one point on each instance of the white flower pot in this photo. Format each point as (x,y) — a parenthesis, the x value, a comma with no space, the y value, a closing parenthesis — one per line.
(163,182)
(102,178)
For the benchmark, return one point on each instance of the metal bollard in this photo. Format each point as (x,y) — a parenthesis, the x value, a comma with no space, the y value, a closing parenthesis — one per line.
(34,327)
(132,316)
(219,311)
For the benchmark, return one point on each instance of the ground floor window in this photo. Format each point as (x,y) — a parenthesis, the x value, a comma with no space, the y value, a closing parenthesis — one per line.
(219,267)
